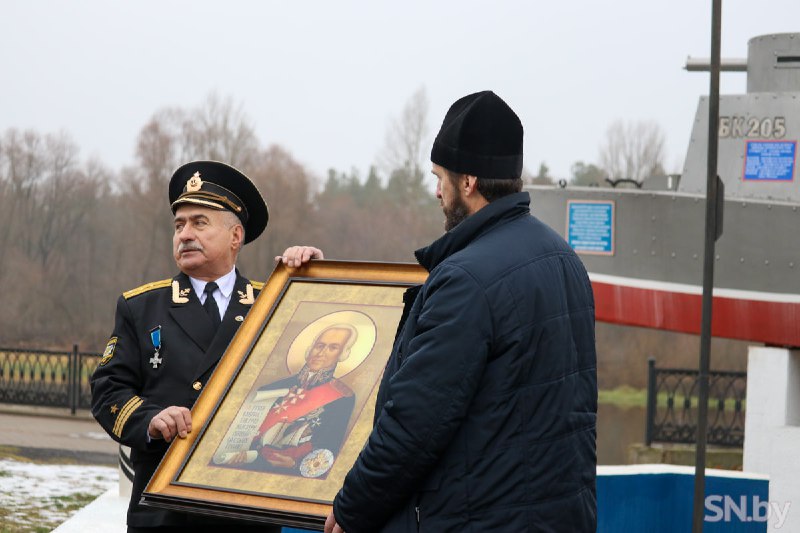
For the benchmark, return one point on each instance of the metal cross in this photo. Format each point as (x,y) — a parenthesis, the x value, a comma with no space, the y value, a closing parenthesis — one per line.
(156,360)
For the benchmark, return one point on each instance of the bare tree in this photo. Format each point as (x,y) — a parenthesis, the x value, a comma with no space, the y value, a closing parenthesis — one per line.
(22,168)
(220,130)
(144,186)
(44,228)
(633,150)
(286,186)
(407,135)
(60,204)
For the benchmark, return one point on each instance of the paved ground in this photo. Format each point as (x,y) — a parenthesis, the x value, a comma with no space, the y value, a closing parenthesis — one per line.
(55,433)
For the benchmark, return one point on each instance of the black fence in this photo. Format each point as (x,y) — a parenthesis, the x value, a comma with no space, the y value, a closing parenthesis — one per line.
(47,378)
(672,401)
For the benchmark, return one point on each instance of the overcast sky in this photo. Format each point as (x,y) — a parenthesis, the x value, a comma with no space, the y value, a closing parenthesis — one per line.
(324,79)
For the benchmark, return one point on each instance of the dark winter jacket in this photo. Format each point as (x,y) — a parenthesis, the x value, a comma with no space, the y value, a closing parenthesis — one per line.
(486,414)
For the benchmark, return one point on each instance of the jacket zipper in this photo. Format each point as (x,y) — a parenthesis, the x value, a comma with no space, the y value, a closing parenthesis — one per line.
(417,509)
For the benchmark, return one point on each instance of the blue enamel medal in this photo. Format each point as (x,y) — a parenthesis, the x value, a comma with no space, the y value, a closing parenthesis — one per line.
(155,337)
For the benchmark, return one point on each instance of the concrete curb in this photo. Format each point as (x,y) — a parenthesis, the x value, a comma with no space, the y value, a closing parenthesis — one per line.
(37,410)
(52,455)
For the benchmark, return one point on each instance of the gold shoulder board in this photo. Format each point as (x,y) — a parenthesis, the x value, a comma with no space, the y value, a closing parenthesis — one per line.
(257,285)
(146,287)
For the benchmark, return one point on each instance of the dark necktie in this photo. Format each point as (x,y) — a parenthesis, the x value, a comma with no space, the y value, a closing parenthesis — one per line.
(211,304)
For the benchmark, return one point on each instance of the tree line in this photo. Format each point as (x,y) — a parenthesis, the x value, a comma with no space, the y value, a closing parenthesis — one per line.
(75,234)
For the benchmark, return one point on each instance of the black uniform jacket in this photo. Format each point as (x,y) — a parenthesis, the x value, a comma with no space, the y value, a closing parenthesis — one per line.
(131,385)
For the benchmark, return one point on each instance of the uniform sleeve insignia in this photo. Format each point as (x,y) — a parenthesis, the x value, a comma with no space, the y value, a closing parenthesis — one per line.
(247,298)
(177,294)
(108,353)
(114,409)
(125,413)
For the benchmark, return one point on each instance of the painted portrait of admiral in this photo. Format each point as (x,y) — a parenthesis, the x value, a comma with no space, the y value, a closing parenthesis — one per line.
(297,424)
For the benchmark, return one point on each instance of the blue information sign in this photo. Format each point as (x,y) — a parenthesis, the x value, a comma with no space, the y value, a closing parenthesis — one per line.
(770,160)
(590,226)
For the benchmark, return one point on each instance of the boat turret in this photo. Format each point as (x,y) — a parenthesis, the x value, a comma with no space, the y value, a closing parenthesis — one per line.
(758,131)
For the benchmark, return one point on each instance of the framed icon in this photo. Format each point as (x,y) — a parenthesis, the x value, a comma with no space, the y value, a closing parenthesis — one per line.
(291,402)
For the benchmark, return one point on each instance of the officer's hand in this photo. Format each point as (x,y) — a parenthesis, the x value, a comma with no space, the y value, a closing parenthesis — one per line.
(331,526)
(294,256)
(170,422)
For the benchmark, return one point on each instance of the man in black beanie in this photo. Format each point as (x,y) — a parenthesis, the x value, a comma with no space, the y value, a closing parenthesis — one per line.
(486,414)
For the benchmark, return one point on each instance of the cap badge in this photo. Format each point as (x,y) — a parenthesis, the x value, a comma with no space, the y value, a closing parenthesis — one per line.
(195,183)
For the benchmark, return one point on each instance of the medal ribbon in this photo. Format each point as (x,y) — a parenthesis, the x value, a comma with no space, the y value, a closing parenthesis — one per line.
(155,337)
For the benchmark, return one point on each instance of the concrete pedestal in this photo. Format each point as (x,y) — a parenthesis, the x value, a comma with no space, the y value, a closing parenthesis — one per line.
(772,426)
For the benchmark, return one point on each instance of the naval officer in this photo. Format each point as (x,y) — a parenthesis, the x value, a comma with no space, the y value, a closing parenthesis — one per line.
(169,335)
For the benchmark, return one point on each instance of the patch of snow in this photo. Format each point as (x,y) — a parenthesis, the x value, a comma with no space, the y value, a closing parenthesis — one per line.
(25,485)
(94,435)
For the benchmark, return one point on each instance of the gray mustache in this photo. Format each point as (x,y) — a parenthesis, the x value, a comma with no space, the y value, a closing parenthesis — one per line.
(189,247)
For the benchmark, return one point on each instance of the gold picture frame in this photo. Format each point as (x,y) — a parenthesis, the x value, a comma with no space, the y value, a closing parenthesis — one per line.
(273,435)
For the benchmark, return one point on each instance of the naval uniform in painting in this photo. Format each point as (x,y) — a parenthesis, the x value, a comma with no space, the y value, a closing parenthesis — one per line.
(306,421)
(162,352)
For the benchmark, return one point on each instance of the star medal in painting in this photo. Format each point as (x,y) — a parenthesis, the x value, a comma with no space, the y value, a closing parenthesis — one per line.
(155,337)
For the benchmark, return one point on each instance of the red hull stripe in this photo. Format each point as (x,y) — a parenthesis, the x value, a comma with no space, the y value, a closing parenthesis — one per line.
(770,322)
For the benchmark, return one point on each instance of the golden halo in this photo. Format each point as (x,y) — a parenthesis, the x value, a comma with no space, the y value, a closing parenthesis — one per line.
(364,325)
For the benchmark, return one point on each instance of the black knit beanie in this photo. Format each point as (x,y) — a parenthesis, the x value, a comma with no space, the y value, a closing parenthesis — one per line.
(481,136)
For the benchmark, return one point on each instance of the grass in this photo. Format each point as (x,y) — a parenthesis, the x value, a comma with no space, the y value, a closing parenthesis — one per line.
(13,453)
(16,454)
(625,396)
(72,502)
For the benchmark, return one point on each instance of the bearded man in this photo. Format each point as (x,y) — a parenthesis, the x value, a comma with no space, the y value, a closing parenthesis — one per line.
(486,414)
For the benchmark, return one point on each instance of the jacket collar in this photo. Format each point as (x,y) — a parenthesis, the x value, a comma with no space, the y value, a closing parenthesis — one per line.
(195,322)
(490,216)
(189,314)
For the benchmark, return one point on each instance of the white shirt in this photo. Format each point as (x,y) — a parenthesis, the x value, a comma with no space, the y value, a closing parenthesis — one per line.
(222,295)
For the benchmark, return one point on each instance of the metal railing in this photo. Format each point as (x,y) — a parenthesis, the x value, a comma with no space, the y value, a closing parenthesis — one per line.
(47,378)
(672,401)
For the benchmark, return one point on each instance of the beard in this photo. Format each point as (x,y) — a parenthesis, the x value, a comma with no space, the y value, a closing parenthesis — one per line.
(455,213)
